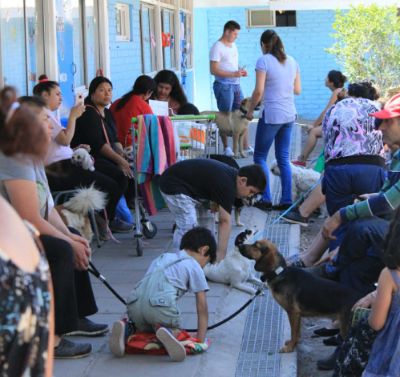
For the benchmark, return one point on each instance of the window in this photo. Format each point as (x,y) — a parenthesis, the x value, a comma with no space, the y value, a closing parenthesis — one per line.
(148,36)
(19,44)
(122,22)
(285,18)
(269,18)
(92,52)
(168,38)
(260,18)
(186,40)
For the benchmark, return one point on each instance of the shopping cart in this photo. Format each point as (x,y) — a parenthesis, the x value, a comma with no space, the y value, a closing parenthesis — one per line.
(195,137)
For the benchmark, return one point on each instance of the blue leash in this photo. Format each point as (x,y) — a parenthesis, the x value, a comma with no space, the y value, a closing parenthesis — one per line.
(301,197)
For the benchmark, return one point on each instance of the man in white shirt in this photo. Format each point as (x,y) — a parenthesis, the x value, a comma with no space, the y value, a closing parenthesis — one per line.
(224,65)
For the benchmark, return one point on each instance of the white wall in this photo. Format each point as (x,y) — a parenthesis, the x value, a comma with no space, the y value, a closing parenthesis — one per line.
(292,4)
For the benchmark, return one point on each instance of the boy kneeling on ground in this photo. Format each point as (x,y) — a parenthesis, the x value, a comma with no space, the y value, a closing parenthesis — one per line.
(152,305)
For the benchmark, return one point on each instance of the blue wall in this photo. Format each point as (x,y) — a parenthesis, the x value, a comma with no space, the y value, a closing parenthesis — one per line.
(125,57)
(306,43)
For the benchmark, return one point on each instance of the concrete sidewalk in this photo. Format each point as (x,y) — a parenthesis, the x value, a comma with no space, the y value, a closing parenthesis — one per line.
(239,348)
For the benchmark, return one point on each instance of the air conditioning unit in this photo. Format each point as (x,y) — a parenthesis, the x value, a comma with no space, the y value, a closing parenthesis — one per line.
(260,18)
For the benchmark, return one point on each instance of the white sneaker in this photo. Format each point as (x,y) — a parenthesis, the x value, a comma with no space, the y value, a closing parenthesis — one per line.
(249,150)
(117,339)
(175,349)
(228,152)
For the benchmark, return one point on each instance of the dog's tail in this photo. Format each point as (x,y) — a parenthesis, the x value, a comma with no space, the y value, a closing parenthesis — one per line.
(86,199)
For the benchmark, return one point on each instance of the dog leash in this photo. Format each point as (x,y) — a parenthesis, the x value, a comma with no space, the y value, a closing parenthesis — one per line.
(233,315)
(95,272)
(301,197)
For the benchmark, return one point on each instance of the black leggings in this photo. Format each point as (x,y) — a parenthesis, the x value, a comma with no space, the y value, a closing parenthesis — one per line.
(71,177)
(73,294)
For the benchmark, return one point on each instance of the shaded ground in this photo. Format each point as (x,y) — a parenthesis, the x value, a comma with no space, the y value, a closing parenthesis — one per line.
(311,349)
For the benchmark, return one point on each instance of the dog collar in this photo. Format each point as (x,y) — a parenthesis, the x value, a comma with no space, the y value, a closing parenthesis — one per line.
(268,278)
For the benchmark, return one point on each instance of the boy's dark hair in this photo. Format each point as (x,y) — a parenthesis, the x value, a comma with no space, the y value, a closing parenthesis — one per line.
(255,176)
(391,255)
(143,84)
(188,109)
(337,78)
(197,237)
(44,85)
(231,25)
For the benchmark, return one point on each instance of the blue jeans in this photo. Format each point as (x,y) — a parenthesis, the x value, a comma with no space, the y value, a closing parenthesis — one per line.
(228,96)
(343,183)
(265,135)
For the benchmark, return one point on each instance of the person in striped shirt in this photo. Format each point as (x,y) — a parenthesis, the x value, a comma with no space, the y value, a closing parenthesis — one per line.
(359,260)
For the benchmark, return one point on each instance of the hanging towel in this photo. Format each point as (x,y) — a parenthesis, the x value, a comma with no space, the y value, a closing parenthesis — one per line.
(151,161)
(167,129)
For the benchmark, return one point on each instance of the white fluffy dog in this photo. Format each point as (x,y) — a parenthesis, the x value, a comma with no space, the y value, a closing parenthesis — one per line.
(235,270)
(302,178)
(81,157)
(74,212)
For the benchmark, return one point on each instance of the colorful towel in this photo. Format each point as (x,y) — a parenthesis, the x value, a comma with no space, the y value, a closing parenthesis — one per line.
(151,161)
(167,129)
(147,343)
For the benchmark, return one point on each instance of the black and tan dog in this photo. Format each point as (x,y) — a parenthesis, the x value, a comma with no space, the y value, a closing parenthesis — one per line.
(300,293)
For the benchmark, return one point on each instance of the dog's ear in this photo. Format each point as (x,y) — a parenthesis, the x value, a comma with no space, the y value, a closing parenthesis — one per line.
(269,256)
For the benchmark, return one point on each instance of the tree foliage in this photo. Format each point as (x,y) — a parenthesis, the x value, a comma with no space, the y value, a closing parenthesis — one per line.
(368,44)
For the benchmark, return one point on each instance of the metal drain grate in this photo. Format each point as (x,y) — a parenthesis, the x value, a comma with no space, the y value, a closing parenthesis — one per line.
(262,338)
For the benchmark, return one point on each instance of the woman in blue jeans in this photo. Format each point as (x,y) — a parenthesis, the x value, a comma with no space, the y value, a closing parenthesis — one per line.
(278,80)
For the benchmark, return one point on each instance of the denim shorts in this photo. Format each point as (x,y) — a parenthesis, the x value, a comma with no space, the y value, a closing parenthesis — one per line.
(228,96)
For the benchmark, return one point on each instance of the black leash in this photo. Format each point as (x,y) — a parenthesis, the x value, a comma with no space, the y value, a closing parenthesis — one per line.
(94,271)
(233,315)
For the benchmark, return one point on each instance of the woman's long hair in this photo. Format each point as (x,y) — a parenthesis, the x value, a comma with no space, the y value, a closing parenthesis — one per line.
(273,45)
(143,85)
(169,77)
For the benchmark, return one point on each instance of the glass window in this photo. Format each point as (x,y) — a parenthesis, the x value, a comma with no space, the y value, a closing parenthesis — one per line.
(147,30)
(13,45)
(91,40)
(122,22)
(186,38)
(168,38)
(78,63)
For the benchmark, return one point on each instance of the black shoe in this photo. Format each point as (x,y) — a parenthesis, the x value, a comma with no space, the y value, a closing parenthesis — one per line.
(120,226)
(294,217)
(264,206)
(326,332)
(86,327)
(70,350)
(281,207)
(329,362)
(333,341)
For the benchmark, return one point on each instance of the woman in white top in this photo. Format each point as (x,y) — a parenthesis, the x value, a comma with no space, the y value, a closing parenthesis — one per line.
(62,174)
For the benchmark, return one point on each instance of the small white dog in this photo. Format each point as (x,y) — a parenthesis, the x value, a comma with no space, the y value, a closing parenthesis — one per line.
(74,212)
(81,157)
(302,178)
(235,270)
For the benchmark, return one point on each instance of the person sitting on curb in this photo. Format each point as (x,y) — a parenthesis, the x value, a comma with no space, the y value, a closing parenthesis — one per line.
(152,305)
(359,260)
(184,184)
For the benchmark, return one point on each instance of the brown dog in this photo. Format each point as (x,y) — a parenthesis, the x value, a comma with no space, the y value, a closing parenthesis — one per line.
(299,292)
(233,124)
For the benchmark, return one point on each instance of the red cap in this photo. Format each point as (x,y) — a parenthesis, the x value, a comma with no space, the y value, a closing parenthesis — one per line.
(390,110)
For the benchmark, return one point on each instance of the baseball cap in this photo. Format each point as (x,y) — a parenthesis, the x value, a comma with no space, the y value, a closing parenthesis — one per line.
(390,110)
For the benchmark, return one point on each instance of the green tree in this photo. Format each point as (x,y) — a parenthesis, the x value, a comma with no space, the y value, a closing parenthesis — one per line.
(368,44)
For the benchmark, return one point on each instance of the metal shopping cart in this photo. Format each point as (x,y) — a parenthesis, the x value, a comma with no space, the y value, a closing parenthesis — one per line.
(195,137)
